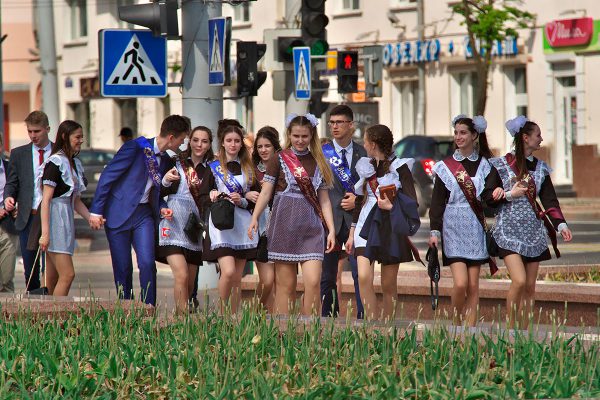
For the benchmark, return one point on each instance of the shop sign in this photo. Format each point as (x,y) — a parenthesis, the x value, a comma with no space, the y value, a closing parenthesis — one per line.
(579,35)
(89,87)
(411,52)
(507,47)
(569,32)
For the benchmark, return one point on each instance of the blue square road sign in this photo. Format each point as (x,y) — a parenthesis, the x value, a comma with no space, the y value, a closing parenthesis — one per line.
(302,72)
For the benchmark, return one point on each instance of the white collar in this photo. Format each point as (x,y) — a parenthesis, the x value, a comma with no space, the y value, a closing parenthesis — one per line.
(474,156)
(237,160)
(156,149)
(339,148)
(530,158)
(48,147)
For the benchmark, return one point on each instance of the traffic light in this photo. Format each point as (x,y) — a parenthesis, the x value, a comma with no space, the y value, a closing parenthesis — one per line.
(314,22)
(373,58)
(347,71)
(249,79)
(316,105)
(160,17)
(285,48)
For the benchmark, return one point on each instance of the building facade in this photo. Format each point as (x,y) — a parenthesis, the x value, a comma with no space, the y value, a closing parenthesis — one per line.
(547,73)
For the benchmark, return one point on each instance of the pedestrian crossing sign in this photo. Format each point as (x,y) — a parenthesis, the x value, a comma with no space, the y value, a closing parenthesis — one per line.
(133,63)
(302,72)
(219,36)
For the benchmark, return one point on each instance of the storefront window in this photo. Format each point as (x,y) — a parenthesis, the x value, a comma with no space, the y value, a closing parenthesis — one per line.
(406,96)
(464,91)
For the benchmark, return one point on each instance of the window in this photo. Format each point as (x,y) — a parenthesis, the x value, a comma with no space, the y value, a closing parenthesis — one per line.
(406,95)
(80,112)
(241,13)
(402,3)
(128,111)
(516,101)
(78,11)
(464,93)
(350,5)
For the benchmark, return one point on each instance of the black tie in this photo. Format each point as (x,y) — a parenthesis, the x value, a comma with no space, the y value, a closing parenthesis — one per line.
(344,159)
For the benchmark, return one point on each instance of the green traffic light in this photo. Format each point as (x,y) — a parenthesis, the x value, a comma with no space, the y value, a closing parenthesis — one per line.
(319,47)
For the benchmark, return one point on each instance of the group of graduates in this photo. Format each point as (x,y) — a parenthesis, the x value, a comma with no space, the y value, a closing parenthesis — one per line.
(303,203)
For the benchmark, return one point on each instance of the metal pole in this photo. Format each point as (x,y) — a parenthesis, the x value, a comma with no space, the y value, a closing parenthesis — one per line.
(2,133)
(44,10)
(420,123)
(292,8)
(202,103)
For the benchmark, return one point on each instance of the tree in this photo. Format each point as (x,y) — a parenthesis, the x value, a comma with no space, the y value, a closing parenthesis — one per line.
(488,21)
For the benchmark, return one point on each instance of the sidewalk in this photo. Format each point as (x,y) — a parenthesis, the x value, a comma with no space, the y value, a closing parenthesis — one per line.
(580,209)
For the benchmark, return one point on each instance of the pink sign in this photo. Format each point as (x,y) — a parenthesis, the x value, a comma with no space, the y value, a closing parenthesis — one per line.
(569,32)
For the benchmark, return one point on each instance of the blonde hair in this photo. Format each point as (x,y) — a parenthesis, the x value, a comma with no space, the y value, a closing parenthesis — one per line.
(244,154)
(314,146)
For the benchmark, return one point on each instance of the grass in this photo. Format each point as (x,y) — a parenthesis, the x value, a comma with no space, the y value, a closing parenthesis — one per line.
(110,356)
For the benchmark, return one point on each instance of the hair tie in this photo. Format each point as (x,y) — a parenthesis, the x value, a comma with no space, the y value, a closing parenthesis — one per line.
(459,116)
(289,118)
(516,124)
(310,117)
(479,123)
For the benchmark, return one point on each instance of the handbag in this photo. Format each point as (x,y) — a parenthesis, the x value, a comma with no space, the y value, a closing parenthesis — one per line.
(492,246)
(262,252)
(433,270)
(193,228)
(222,213)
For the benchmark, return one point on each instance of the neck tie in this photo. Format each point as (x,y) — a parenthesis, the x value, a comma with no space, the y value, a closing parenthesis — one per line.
(344,159)
(41,152)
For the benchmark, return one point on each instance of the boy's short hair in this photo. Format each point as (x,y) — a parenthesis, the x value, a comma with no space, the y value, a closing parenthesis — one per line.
(344,110)
(38,118)
(175,125)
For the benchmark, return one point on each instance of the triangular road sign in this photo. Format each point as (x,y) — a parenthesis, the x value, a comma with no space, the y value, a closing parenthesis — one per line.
(216,64)
(134,67)
(302,80)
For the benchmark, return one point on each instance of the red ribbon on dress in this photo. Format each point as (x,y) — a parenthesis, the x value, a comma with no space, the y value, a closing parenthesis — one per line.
(537,208)
(468,188)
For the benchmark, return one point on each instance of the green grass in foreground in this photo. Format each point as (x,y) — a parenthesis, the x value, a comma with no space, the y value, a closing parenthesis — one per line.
(102,355)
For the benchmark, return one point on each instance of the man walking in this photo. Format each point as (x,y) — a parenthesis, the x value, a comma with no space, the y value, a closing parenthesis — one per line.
(8,237)
(342,155)
(128,199)
(25,162)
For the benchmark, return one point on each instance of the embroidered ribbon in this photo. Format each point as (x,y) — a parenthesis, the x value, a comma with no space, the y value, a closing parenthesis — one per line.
(192,179)
(151,160)
(337,166)
(304,182)
(231,184)
(511,160)
(468,188)
(374,184)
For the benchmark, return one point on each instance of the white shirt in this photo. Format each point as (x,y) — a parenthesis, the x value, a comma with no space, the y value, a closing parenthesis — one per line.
(338,149)
(35,155)
(149,182)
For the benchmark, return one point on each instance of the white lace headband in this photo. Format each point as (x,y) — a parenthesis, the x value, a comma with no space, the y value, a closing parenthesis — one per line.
(310,117)
(516,124)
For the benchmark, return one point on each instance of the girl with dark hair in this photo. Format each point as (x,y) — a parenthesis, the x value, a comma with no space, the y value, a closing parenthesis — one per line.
(230,176)
(61,182)
(266,147)
(380,168)
(456,213)
(301,224)
(522,227)
(179,240)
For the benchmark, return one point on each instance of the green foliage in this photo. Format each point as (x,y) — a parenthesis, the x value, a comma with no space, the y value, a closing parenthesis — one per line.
(110,356)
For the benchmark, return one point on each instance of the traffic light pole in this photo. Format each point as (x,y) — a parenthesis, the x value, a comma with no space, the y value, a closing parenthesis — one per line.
(202,103)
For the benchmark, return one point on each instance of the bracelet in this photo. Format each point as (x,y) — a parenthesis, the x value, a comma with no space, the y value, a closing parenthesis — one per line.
(508,195)
(435,233)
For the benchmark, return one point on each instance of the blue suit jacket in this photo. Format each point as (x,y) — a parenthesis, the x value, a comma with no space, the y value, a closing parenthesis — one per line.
(122,185)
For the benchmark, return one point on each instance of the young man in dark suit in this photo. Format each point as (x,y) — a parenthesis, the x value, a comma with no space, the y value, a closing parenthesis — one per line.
(127,198)
(348,152)
(25,162)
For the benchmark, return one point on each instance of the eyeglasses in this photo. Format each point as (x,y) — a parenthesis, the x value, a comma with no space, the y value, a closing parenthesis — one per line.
(334,123)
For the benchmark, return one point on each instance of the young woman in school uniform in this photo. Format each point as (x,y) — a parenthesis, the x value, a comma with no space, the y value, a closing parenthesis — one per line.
(231,174)
(182,186)
(266,147)
(61,181)
(380,168)
(452,218)
(520,230)
(301,223)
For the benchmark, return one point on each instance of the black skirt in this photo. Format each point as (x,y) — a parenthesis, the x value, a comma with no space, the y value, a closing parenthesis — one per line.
(191,257)
(446,261)
(545,256)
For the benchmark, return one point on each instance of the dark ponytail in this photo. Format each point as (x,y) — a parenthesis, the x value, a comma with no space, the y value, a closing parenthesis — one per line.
(521,166)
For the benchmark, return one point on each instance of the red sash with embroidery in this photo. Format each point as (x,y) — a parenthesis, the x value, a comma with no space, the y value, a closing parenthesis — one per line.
(192,179)
(555,212)
(304,182)
(374,184)
(468,188)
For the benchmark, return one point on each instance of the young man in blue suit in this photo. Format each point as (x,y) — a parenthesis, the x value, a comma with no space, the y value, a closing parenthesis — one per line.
(127,202)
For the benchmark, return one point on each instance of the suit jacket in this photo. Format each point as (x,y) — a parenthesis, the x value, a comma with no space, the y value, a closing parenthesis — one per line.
(8,222)
(122,183)
(19,182)
(337,193)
